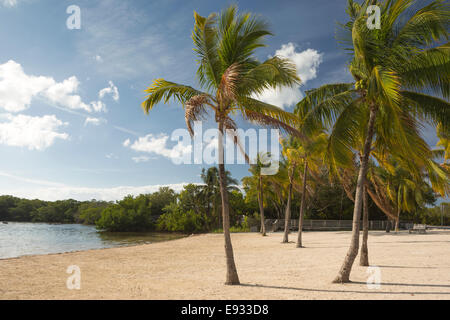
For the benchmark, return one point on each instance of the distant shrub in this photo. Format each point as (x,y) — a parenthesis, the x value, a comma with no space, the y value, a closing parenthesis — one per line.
(174,219)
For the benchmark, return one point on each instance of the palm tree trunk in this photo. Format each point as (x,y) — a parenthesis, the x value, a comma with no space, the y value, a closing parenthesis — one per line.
(261,207)
(397,220)
(302,207)
(232,275)
(364,257)
(209,218)
(287,216)
(344,273)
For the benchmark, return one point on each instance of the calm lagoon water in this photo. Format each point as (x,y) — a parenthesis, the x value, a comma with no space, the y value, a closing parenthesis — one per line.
(19,239)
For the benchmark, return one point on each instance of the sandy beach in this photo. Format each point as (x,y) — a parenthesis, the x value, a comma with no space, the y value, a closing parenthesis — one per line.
(412,266)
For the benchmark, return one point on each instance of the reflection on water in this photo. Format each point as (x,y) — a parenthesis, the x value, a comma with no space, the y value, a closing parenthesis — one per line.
(133,238)
(18,239)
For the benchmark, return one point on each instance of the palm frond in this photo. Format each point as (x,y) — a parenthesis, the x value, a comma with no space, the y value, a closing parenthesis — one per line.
(195,110)
(205,38)
(272,73)
(162,90)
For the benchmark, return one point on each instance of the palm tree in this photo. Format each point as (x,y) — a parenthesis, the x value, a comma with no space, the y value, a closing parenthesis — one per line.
(291,153)
(276,188)
(210,191)
(394,68)
(346,178)
(400,189)
(229,76)
(311,152)
(257,179)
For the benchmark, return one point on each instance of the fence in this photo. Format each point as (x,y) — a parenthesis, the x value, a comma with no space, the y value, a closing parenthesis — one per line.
(327,225)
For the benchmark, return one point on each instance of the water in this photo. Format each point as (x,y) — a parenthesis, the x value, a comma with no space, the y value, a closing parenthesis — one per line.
(19,239)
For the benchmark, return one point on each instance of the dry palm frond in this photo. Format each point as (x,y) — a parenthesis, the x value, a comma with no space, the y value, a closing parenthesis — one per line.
(195,110)
(229,124)
(347,183)
(228,84)
(268,121)
(231,127)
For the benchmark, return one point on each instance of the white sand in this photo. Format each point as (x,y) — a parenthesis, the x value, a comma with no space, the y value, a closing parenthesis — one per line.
(412,267)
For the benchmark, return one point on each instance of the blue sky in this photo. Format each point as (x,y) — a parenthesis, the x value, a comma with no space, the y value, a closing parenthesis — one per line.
(71,125)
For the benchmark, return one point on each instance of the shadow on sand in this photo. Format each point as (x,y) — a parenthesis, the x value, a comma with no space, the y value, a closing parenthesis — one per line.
(362,292)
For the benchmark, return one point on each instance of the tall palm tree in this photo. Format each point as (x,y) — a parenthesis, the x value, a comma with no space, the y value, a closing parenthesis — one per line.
(276,188)
(257,179)
(229,76)
(346,178)
(312,153)
(397,70)
(291,152)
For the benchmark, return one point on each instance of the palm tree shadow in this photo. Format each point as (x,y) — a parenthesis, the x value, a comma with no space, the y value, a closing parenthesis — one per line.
(356,291)
(409,285)
(406,267)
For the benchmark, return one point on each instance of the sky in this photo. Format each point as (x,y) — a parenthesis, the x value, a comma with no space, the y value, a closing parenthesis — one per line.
(71,122)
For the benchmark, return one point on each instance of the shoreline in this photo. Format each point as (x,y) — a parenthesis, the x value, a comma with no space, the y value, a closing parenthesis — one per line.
(88,250)
(83,242)
(193,267)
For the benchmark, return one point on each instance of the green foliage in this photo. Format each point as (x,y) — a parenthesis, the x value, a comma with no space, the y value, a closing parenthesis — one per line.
(64,211)
(136,213)
(176,220)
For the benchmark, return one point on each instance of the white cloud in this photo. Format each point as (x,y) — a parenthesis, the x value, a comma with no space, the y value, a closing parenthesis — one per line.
(94,121)
(9,3)
(63,94)
(281,97)
(17,90)
(157,145)
(112,90)
(307,63)
(52,191)
(85,193)
(126,143)
(35,133)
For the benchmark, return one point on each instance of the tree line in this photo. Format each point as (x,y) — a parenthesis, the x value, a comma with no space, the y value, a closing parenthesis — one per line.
(197,208)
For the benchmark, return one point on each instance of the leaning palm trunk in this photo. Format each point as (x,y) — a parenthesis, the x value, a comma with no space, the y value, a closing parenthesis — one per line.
(302,208)
(287,216)
(232,275)
(261,207)
(344,273)
(364,257)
